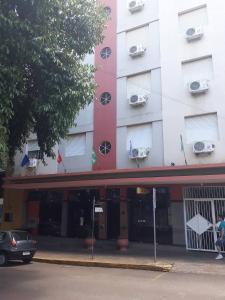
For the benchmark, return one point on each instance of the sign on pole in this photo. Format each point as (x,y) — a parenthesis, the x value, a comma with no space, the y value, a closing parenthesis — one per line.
(93,227)
(98,209)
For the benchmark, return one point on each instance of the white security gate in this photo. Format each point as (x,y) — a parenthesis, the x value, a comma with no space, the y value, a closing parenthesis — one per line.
(202,205)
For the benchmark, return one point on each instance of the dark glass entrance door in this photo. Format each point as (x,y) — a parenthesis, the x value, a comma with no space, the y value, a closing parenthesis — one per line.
(141,219)
(113,213)
(141,216)
(50,214)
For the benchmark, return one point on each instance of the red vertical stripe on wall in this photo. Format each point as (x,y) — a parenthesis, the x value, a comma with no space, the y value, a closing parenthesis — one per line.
(105,115)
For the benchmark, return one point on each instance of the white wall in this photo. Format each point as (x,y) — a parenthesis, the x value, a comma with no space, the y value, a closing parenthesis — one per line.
(139,84)
(181,61)
(49,168)
(127,20)
(155,157)
(140,75)
(139,136)
(148,36)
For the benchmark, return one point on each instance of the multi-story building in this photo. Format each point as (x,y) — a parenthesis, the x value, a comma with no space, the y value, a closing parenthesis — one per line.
(157,121)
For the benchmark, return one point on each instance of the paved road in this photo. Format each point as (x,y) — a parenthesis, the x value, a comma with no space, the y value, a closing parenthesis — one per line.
(42,282)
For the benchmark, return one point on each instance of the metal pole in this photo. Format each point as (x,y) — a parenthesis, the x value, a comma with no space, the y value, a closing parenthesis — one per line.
(92,231)
(154,223)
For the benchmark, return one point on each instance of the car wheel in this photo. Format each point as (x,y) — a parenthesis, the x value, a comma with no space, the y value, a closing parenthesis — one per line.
(27,260)
(3,259)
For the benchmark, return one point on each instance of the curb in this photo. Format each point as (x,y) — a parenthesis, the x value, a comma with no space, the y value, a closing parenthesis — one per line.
(82,263)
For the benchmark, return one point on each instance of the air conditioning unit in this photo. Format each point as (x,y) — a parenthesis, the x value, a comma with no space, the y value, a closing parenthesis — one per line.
(137,50)
(194,33)
(203,147)
(198,86)
(136,100)
(139,153)
(135,6)
(33,163)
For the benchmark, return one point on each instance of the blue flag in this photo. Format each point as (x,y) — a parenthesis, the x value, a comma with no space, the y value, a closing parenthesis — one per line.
(130,150)
(25,161)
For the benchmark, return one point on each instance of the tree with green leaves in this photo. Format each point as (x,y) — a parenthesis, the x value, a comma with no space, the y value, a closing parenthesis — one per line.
(43,80)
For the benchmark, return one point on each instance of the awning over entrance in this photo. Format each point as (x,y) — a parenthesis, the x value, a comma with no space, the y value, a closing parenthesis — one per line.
(195,174)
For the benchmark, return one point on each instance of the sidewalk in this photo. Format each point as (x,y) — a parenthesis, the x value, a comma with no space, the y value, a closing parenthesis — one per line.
(138,256)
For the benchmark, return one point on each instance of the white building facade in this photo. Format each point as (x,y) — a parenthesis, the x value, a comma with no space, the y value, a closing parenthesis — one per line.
(161,101)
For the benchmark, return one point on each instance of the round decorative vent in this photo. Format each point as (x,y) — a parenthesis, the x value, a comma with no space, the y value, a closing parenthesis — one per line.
(105,147)
(132,4)
(105,98)
(195,85)
(106,52)
(108,10)
(199,146)
(134,99)
(133,49)
(190,31)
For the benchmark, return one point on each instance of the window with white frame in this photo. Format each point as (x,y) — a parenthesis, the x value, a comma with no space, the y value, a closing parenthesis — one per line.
(139,84)
(201,68)
(197,16)
(139,136)
(137,36)
(75,145)
(33,149)
(201,128)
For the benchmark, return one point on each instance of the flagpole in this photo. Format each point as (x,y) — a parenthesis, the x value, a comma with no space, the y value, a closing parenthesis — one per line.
(182,149)
(138,166)
(64,167)
(59,160)
(185,160)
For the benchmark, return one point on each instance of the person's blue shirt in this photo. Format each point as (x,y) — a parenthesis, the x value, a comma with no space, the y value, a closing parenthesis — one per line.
(222,227)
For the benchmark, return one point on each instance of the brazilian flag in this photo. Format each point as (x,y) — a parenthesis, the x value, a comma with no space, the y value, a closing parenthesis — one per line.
(93,158)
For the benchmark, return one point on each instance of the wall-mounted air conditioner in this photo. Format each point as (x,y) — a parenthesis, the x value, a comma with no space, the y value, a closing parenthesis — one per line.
(203,147)
(136,100)
(198,86)
(139,153)
(135,6)
(137,50)
(194,33)
(33,163)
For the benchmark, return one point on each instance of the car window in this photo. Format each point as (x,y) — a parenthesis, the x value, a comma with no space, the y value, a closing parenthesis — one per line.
(21,235)
(2,235)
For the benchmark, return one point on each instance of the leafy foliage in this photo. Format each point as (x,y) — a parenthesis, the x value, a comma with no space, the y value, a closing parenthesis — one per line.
(43,81)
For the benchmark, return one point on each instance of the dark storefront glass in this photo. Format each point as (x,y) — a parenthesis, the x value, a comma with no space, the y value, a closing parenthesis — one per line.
(141,216)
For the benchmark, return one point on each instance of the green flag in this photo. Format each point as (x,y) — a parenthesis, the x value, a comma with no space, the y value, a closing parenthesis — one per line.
(93,158)
(181,143)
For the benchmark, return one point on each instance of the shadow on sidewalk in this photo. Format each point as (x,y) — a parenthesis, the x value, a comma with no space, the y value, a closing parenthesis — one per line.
(138,251)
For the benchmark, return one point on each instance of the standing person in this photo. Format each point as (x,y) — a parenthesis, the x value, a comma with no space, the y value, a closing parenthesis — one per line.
(221,240)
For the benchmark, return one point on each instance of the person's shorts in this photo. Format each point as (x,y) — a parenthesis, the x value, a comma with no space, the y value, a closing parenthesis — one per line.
(220,242)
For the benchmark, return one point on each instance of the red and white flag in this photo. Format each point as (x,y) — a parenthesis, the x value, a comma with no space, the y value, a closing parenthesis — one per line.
(59,158)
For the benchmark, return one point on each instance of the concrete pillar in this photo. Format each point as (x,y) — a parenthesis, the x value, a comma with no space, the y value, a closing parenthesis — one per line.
(102,217)
(123,213)
(64,222)
(177,215)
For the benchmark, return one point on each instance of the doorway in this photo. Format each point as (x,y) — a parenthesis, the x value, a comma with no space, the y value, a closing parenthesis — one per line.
(141,216)
(113,213)
(50,214)
(80,212)
(202,205)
